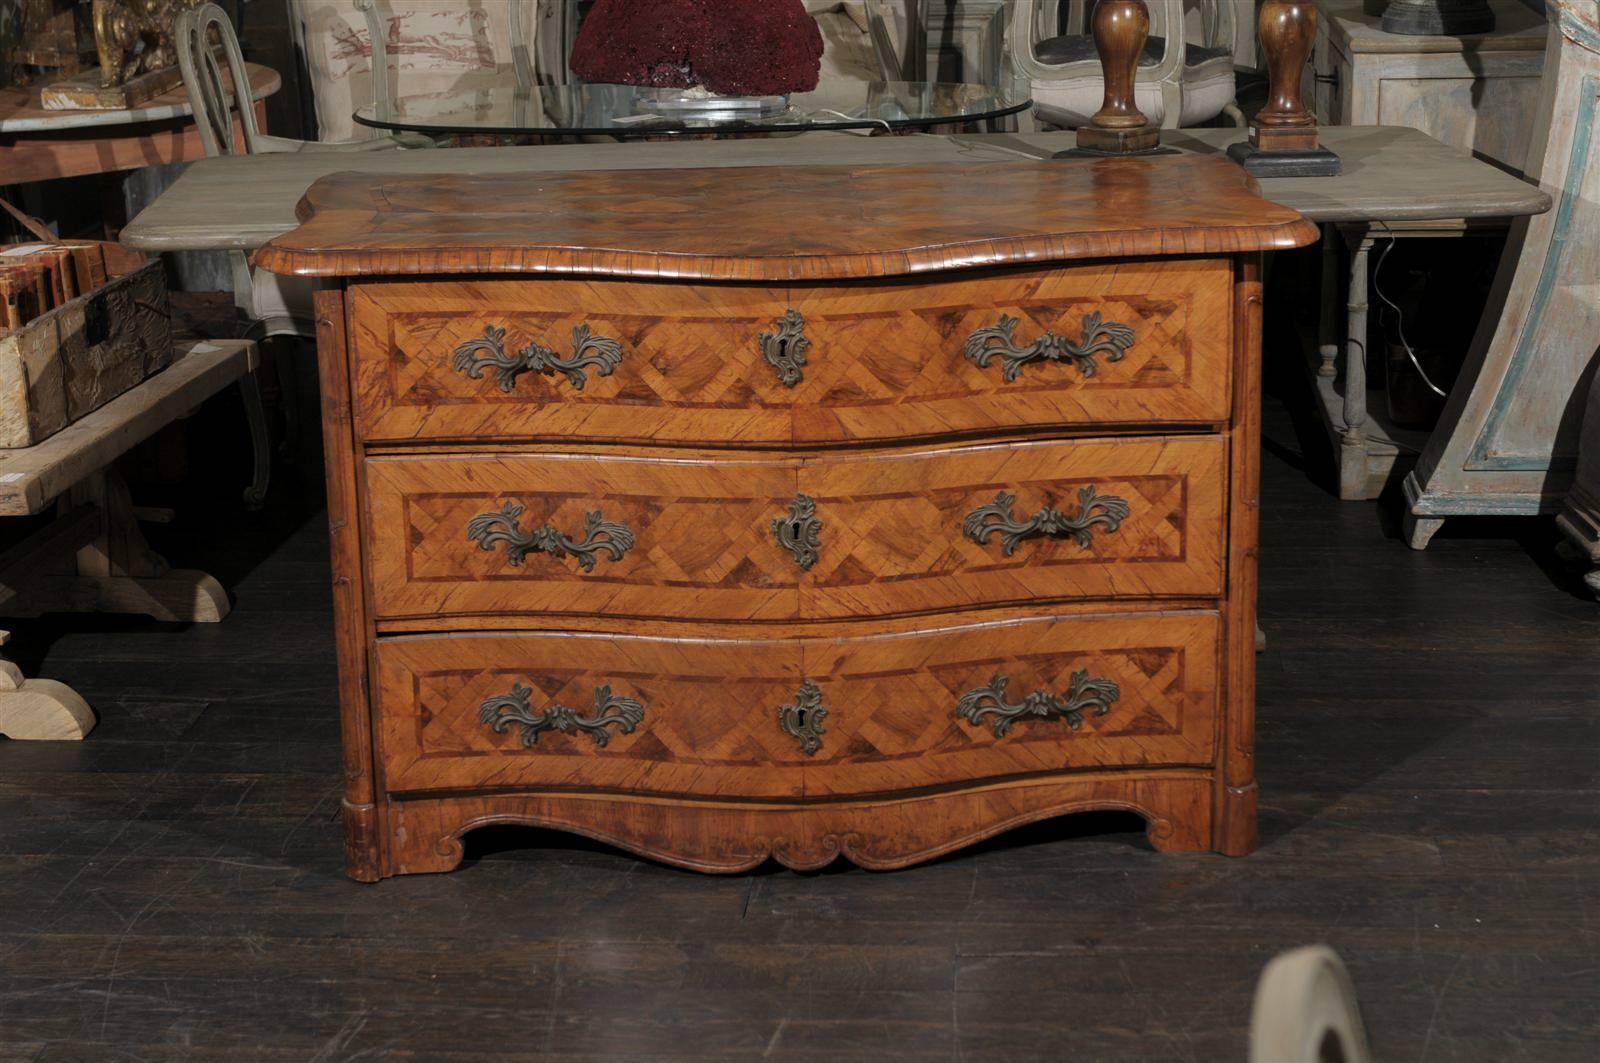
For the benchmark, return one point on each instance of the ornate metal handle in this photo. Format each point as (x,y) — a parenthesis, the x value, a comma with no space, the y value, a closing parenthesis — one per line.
(800,532)
(474,356)
(1099,337)
(1084,694)
(599,536)
(515,708)
(1107,511)
(785,350)
(802,718)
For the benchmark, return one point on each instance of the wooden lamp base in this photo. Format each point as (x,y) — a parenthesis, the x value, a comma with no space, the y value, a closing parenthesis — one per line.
(1280,162)
(1095,142)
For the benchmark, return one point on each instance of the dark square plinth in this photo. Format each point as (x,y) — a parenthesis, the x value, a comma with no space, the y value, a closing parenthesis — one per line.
(1313,162)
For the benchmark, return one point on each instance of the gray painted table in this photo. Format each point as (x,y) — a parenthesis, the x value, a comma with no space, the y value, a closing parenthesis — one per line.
(1396,182)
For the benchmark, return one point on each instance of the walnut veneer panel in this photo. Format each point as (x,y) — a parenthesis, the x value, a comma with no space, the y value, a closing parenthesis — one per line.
(708,727)
(887,359)
(701,531)
(780,223)
(690,368)
(884,360)
(705,712)
(894,532)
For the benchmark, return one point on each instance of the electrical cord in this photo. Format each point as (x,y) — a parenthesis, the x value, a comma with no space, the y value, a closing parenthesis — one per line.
(1399,315)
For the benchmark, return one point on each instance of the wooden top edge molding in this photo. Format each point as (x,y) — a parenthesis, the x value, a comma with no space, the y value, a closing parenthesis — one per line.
(780,223)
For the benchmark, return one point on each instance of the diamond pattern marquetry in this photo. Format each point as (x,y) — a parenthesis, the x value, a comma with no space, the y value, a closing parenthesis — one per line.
(711,707)
(892,538)
(884,361)
(893,366)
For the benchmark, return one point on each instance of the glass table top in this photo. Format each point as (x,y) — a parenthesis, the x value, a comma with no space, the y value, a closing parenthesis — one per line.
(627,110)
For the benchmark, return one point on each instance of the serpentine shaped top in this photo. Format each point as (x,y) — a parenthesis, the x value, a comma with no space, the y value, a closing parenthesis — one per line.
(771,223)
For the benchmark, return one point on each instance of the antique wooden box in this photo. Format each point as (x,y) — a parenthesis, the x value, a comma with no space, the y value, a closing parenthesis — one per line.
(728,515)
(77,357)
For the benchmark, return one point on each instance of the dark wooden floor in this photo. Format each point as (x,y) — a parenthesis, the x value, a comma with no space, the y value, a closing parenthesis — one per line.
(1430,772)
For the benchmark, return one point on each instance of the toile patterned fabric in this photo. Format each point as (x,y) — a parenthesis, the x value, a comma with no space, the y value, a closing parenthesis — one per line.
(433,46)
(847,53)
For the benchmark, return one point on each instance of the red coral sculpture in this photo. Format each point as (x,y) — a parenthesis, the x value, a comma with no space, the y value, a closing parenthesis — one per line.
(735,47)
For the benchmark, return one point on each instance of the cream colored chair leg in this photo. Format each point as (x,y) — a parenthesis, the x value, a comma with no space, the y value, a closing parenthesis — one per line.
(1305,1011)
(260,445)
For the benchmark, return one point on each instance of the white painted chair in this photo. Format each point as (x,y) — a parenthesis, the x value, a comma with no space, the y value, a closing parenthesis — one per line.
(1185,76)
(269,304)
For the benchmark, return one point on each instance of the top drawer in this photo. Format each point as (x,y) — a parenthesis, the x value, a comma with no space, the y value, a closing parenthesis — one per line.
(1135,343)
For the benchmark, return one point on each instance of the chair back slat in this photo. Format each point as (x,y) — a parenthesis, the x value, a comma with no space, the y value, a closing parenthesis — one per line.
(214,94)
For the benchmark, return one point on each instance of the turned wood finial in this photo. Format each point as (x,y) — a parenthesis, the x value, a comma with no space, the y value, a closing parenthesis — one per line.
(1283,136)
(1287,28)
(1120,28)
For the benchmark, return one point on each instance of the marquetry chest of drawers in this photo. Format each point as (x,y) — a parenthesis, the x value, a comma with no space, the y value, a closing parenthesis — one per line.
(727,515)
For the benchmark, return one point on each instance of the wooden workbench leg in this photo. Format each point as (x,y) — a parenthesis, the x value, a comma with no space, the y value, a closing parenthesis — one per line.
(1353,443)
(119,573)
(39,709)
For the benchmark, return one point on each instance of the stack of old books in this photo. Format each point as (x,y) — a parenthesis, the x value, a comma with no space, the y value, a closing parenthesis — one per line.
(38,277)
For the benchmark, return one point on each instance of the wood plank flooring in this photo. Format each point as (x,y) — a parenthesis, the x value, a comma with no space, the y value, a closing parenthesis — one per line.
(1429,751)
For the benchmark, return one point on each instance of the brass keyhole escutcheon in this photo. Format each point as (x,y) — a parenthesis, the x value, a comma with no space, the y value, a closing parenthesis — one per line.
(801,719)
(785,348)
(800,532)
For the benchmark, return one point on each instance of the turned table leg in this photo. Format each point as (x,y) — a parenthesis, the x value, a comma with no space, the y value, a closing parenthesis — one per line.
(1353,442)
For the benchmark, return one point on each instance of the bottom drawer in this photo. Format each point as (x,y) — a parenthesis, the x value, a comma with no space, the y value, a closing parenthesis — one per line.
(792,718)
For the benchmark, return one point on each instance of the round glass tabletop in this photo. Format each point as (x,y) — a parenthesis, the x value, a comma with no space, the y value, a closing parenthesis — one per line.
(627,110)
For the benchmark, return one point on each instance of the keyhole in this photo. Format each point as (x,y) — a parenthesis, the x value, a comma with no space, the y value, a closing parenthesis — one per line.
(795,530)
(800,719)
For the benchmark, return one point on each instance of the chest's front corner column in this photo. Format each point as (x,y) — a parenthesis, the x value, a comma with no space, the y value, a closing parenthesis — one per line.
(1234,819)
(362,826)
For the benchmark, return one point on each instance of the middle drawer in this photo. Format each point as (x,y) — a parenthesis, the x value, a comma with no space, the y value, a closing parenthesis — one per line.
(702,536)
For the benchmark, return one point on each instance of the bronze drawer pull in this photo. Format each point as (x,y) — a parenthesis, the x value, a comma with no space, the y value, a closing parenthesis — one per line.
(1107,511)
(599,536)
(800,532)
(1084,694)
(1099,337)
(785,349)
(515,708)
(802,718)
(474,356)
